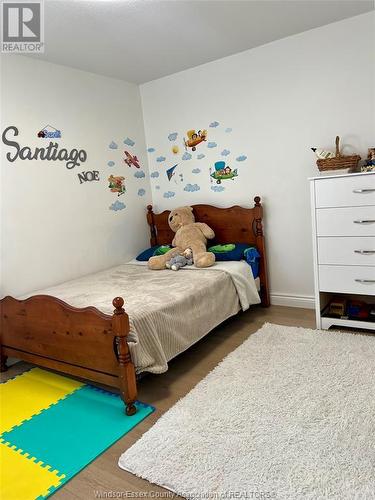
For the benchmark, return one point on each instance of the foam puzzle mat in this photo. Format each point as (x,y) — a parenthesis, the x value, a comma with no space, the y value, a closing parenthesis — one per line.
(51,427)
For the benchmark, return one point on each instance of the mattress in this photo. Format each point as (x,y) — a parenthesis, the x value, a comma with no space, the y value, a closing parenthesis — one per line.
(168,311)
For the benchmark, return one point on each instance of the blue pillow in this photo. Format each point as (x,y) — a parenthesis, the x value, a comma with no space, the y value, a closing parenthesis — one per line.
(150,252)
(252,257)
(229,251)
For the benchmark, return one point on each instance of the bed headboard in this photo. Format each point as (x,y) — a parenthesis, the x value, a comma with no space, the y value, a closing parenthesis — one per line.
(231,225)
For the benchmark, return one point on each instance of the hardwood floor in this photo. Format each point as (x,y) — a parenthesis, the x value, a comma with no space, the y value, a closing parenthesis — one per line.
(103,476)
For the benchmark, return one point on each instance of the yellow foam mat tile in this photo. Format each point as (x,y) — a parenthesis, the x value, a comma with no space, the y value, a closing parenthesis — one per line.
(21,478)
(20,401)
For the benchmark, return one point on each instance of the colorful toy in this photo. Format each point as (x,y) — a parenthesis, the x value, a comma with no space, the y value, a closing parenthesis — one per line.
(369,165)
(194,138)
(189,234)
(223,172)
(180,260)
(358,310)
(337,307)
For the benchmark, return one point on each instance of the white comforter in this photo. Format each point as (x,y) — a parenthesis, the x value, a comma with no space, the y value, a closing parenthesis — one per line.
(168,310)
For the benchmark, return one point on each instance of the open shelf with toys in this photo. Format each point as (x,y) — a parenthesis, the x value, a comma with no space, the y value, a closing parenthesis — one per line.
(347,310)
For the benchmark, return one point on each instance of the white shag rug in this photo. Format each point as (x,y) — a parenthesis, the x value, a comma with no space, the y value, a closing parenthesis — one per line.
(290,414)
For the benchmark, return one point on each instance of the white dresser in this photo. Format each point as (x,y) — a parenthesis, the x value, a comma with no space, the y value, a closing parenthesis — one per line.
(343,224)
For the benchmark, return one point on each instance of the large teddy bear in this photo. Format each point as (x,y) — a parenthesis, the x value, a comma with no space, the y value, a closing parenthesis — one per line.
(189,234)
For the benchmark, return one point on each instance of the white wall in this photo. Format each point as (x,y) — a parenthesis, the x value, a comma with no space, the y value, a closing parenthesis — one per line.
(52,227)
(280,99)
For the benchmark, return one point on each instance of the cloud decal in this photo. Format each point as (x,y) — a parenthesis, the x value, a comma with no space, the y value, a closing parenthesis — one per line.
(150,150)
(196,170)
(225,152)
(228,130)
(214,124)
(186,156)
(190,188)
(113,145)
(173,136)
(111,163)
(169,194)
(211,145)
(200,156)
(160,159)
(218,189)
(129,142)
(139,174)
(241,158)
(117,205)
(141,192)
(154,174)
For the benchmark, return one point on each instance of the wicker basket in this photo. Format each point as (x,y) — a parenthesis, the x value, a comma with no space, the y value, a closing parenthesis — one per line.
(340,161)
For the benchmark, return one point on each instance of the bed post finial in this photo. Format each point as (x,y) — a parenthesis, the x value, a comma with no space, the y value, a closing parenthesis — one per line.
(149,208)
(118,302)
(127,380)
(257,201)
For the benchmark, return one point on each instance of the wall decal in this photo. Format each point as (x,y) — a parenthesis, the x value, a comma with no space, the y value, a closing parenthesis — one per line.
(111,163)
(131,160)
(200,156)
(50,153)
(116,184)
(49,132)
(222,172)
(217,189)
(160,159)
(113,145)
(196,170)
(117,205)
(141,192)
(194,138)
(154,174)
(157,187)
(175,150)
(241,158)
(139,174)
(92,175)
(151,150)
(214,124)
(129,142)
(173,136)
(225,152)
(186,156)
(169,194)
(171,171)
(211,145)
(191,188)
(228,130)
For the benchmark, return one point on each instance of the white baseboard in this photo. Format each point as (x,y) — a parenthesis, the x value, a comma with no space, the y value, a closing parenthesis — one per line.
(282,299)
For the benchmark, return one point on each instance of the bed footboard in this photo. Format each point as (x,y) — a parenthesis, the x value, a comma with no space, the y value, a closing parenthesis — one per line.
(83,342)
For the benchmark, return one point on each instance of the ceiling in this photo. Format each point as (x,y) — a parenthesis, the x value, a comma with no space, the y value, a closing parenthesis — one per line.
(141,40)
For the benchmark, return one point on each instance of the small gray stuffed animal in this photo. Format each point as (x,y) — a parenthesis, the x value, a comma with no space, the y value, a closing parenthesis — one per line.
(180,260)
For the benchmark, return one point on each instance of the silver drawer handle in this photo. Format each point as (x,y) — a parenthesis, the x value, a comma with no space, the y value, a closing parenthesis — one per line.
(365,221)
(364,281)
(363,190)
(365,252)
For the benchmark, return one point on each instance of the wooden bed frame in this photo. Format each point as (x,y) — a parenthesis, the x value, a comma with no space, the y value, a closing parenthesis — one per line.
(89,344)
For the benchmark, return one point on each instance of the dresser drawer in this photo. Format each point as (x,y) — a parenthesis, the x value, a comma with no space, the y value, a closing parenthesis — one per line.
(357,251)
(347,279)
(350,221)
(345,191)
